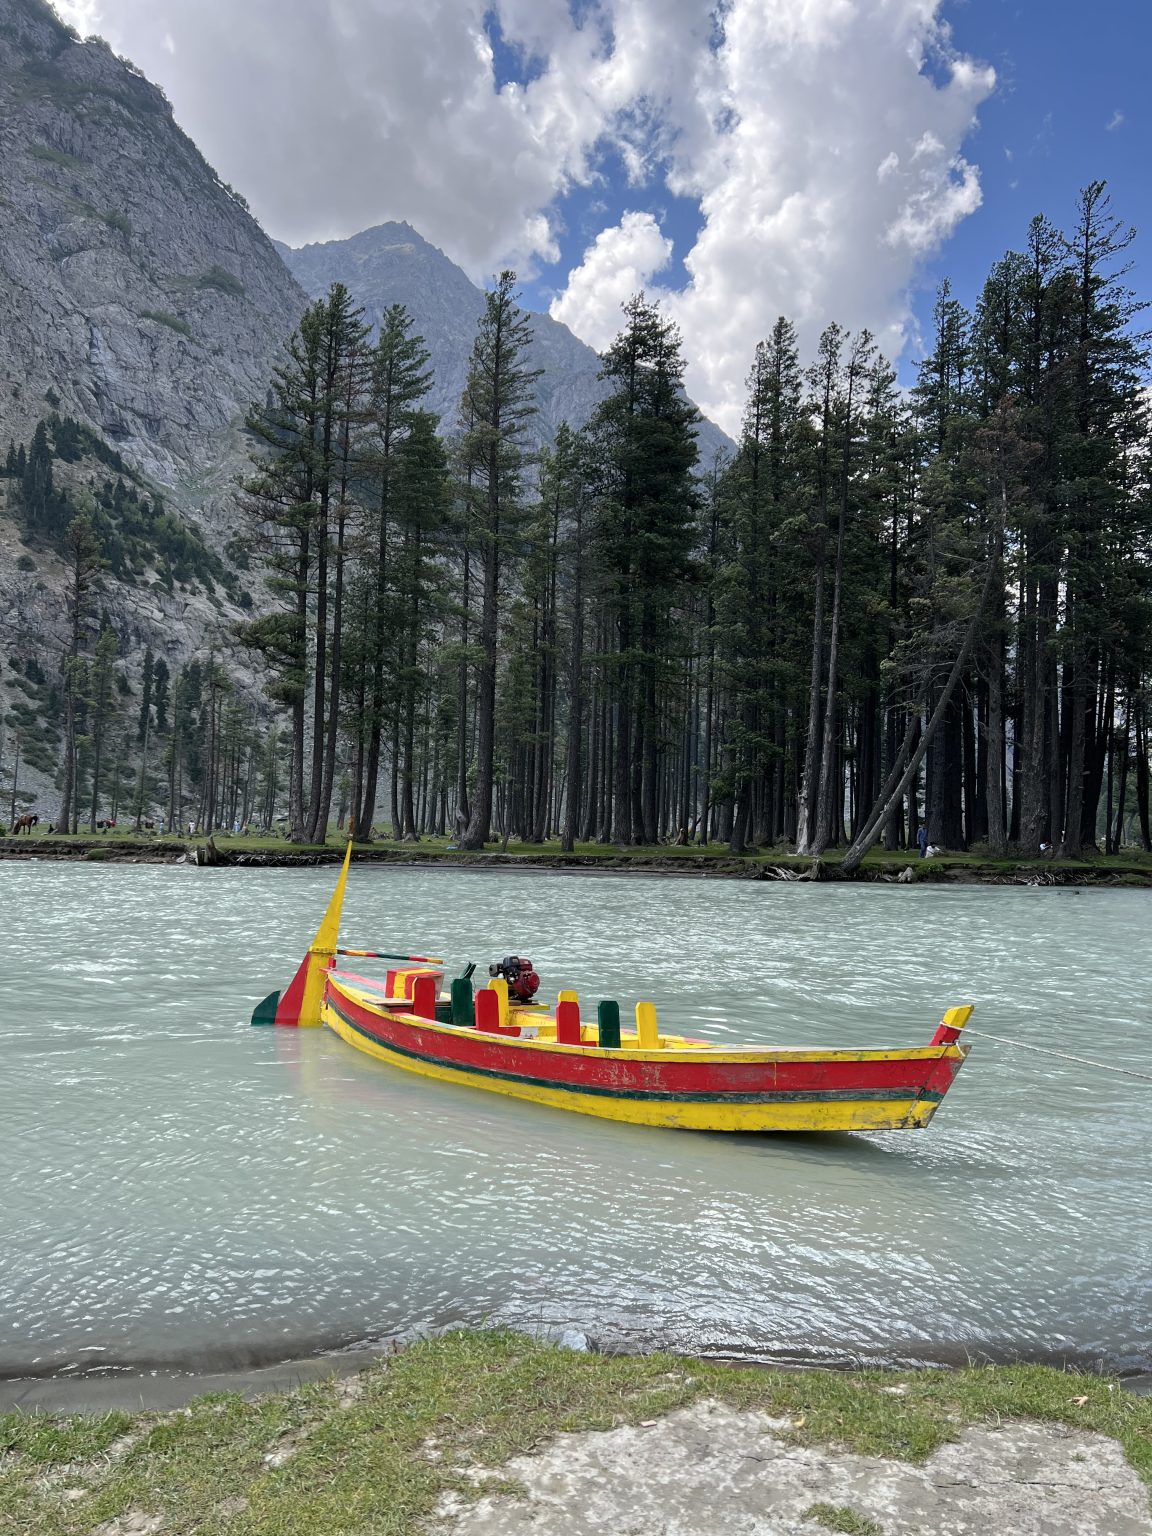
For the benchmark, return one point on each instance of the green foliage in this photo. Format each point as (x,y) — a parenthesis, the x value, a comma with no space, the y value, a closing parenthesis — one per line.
(163,317)
(236,197)
(117,219)
(359,1461)
(134,531)
(55,156)
(221,280)
(72,441)
(838,1517)
(644,445)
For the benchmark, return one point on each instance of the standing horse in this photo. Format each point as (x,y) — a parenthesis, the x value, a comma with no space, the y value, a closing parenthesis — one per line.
(25,824)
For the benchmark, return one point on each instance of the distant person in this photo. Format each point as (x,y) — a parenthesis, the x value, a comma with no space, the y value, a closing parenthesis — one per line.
(1045,850)
(922,842)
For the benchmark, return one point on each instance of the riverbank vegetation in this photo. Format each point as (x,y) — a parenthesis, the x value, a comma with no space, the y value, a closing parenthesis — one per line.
(976,867)
(887,616)
(378,1451)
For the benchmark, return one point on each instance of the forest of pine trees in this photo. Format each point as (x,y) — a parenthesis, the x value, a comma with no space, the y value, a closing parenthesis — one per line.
(888,615)
(192,749)
(886,611)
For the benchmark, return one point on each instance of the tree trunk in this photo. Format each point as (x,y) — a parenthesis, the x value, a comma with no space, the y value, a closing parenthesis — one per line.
(1141,722)
(479,826)
(1122,788)
(898,781)
(809,783)
(830,795)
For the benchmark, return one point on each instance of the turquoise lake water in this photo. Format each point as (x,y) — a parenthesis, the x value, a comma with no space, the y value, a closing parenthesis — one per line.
(180,1189)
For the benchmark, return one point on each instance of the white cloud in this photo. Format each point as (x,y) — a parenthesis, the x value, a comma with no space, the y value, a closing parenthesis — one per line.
(332,115)
(822,140)
(619,262)
(1114,121)
(81,14)
(829,168)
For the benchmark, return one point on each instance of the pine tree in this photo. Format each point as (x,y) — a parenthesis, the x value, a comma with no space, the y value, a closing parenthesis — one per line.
(496,406)
(146,683)
(293,499)
(160,693)
(644,437)
(84,562)
(36,485)
(102,710)
(420,510)
(400,380)
(758,498)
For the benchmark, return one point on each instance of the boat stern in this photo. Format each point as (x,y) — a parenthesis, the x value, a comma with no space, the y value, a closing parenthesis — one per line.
(300,1002)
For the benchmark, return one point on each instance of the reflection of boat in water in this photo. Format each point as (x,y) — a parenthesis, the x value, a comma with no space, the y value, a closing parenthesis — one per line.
(498,1038)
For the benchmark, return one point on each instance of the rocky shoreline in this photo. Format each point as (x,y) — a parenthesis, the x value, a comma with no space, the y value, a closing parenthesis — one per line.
(208,853)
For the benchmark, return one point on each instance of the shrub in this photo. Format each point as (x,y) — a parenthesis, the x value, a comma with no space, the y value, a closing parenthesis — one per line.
(163,317)
(222,280)
(55,156)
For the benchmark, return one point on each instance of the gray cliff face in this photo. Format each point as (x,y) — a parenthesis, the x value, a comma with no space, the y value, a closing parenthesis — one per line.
(133,286)
(392,264)
(138,296)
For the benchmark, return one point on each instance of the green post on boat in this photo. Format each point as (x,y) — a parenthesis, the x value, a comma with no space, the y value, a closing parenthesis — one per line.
(608,1020)
(463,1010)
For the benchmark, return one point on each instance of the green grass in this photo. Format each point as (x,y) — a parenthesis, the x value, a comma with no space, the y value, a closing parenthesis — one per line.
(222,280)
(55,157)
(163,317)
(838,1517)
(1132,867)
(379,1458)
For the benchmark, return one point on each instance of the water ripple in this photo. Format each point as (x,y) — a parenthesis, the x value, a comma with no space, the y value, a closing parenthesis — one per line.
(179,1186)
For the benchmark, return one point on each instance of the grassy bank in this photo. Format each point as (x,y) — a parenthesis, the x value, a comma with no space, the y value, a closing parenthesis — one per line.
(375,1452)
(1132,868)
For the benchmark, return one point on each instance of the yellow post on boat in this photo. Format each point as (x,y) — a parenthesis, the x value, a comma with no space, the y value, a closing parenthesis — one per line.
(300,1003)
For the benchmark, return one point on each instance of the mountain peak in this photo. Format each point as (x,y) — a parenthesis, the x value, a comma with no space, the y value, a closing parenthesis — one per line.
(392,263)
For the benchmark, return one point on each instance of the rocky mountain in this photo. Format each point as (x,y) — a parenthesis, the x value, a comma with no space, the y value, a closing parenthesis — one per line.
(392,264)
(142,306)
(135,289)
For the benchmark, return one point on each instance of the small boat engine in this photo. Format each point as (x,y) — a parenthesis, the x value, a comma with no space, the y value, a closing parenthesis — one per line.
(523,982)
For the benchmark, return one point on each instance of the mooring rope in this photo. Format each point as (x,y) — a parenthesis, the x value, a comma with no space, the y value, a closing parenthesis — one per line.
(1043,1050)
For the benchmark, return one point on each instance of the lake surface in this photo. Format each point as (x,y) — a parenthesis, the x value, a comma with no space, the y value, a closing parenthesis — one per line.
(181,1189)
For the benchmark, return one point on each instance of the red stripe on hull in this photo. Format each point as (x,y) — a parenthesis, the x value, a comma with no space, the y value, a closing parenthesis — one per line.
(466,1050)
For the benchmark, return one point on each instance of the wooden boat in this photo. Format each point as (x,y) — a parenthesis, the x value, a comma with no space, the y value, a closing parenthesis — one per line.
(491,1040)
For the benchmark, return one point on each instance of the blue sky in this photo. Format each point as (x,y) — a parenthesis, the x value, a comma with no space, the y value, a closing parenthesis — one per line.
(1069,107)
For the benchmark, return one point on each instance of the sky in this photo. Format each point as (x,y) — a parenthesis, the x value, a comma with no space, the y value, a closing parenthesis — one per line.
(821,159)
